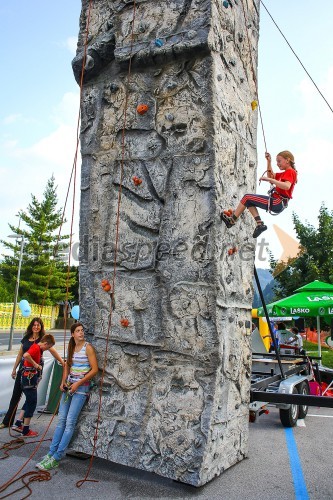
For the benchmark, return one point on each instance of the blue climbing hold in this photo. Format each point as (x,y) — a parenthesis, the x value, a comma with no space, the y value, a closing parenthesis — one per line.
(158,42)
(226,4)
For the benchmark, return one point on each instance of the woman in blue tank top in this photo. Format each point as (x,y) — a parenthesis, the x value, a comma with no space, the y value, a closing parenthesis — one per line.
(81,366)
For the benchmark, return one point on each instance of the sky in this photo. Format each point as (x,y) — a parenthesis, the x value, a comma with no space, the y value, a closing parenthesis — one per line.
(40,106)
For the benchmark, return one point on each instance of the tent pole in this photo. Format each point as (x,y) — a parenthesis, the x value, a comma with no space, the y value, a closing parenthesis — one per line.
(319,343)
(268,322)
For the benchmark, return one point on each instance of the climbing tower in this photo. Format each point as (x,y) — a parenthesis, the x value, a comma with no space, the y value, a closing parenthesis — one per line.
(168,139)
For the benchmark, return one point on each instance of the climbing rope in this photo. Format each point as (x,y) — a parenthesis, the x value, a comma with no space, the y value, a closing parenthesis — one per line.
(12,445)
(299,60)
(26,479)
(254,75)
(113,286)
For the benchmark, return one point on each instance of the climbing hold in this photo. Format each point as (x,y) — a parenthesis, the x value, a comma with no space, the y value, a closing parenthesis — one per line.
(228,212)
(158,42)
(233,250)
(254,105)
(113,88)
(226,4)
(169,117)
(124,322)
(142,109)
(106,285)
(137,181)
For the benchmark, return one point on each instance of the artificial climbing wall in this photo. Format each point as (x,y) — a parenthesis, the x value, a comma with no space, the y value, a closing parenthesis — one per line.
(167,117)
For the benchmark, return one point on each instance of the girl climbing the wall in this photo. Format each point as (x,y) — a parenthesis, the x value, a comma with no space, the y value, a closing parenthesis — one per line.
(278,196)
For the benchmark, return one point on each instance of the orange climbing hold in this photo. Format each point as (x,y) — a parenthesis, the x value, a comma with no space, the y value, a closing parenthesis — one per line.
(106,285)
(124,322)
(233,250)
(142,109)
(254,105)
(228,212)
(137,181)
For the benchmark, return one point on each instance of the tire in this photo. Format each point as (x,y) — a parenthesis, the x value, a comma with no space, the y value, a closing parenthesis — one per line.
(303,409)
(289,417)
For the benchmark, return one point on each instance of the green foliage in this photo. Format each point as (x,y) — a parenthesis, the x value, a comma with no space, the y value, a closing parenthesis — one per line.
(6,291)
(326,353)
(315,259)
(44,276)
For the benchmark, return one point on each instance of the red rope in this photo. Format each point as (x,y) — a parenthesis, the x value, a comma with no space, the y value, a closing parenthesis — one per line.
(254,74)
(72,178)
(32,477)
(14,478)
(82,481)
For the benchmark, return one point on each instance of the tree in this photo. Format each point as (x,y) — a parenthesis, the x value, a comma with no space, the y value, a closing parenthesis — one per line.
(315,259)
(6,292)
(44,276)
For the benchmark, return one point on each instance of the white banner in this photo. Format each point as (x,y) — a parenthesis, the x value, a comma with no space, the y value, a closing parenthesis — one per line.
(7,383)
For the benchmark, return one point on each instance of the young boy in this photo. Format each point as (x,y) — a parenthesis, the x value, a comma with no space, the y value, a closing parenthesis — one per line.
(31,373)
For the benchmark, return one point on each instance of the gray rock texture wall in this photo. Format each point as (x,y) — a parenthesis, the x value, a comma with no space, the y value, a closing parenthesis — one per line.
(177,378)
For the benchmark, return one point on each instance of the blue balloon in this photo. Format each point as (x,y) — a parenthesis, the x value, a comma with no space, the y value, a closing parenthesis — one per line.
(26,312)
(23,304)
(75,312)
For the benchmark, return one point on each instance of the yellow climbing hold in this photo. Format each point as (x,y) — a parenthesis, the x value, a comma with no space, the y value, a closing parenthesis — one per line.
(254,105)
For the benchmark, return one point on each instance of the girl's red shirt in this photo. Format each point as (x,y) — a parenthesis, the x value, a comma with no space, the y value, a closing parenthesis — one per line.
(288,175)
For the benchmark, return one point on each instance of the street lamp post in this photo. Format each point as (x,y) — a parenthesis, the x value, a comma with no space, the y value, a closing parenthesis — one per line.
(11,333)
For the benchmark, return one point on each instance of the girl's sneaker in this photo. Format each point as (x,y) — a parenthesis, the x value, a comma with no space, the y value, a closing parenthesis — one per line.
(227,218)
(29,434)
(51,464)
(43,462)
(261,227)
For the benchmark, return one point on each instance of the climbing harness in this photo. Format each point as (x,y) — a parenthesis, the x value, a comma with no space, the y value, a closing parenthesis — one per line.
(284,201)
(271,192)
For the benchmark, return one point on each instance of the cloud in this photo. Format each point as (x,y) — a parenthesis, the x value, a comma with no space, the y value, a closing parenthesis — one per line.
(25,171)
(67,111)
(71,44)
(11,118)
(314,109)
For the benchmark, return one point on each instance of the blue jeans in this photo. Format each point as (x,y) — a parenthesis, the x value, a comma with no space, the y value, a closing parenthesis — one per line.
(29,388)
(69,411)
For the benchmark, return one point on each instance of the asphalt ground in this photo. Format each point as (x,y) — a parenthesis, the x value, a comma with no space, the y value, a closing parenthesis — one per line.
(282,464)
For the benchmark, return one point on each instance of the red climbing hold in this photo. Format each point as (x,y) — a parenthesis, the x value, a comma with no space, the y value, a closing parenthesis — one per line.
(124,322)
(106,285)
(142,109)
(137,181)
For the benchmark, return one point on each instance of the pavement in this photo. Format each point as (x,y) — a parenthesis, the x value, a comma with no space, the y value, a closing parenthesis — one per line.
(283,464)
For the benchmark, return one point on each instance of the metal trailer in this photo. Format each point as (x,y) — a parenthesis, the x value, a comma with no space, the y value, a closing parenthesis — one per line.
(284,383)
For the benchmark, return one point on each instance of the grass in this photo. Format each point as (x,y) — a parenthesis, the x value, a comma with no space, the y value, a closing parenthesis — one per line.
(326,353)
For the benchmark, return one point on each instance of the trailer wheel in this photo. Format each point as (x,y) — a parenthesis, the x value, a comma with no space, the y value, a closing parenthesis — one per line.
(289,417)
(303,409)
(252,416)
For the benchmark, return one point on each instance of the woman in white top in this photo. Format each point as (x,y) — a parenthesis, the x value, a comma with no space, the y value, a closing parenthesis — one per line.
(81,366)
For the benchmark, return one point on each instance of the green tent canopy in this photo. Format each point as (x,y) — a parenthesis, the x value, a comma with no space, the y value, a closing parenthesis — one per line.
(313,299)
